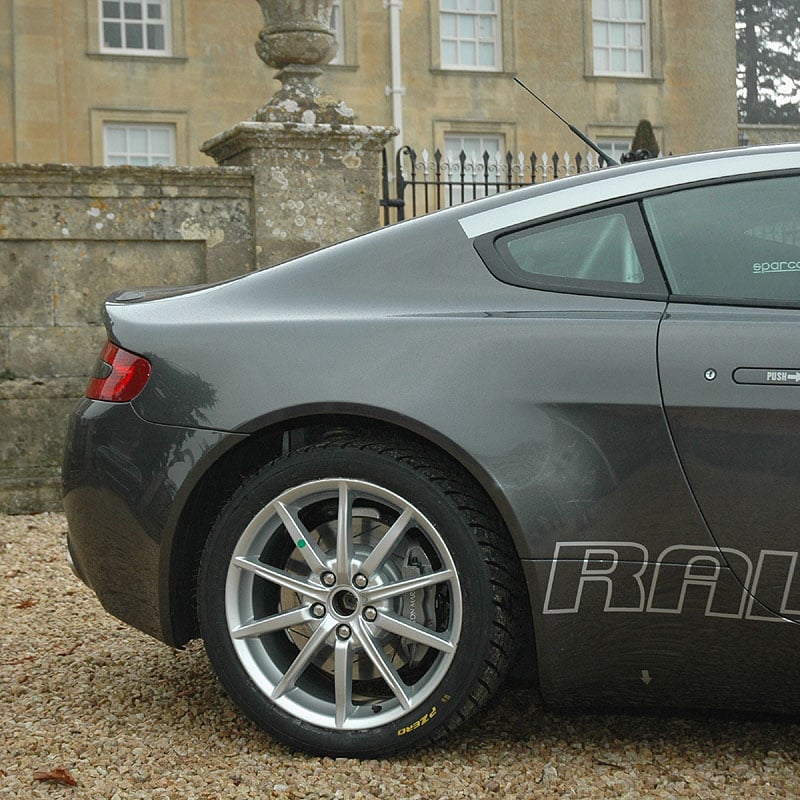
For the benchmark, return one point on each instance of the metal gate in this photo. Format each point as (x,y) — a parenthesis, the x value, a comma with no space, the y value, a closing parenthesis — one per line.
(423,183)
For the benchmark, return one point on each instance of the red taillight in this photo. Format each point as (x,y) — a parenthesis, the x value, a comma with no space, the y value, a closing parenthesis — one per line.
(119,375)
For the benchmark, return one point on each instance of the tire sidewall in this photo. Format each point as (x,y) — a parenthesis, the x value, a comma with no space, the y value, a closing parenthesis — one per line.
(448,698)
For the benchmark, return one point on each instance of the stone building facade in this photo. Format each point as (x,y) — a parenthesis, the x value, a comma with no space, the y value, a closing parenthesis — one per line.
(127,92)
(147,81)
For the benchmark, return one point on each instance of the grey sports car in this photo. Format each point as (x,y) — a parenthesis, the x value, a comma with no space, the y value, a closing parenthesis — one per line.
(554,432)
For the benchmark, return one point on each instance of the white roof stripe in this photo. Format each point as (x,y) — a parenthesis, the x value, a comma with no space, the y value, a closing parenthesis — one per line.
(624,184)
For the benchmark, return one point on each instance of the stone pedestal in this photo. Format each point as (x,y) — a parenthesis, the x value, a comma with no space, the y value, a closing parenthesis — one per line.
(317,173)
(314,184)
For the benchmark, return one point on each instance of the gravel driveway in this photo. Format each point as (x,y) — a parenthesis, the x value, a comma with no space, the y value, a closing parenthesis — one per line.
(87,701)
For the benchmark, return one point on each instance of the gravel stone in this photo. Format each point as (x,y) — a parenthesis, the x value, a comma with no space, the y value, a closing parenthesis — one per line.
(126,717)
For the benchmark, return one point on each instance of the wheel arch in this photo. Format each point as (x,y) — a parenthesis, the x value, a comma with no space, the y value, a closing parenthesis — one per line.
(269,438)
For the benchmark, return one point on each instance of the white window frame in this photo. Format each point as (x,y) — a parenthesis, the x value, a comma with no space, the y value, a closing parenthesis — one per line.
(617,29)
(337,26)
(127,156)
(474,145)
(164,22)
(616,148)
(475,12)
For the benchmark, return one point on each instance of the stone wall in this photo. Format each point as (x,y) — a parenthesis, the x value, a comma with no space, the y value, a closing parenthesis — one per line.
(768,134)
(68,237)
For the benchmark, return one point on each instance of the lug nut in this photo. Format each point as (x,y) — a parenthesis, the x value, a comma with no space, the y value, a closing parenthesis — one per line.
(343,632)
(318,610)
(370,614)
(360,581)
(328,578)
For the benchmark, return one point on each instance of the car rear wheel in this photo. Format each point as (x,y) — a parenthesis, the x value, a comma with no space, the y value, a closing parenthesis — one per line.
(356,598)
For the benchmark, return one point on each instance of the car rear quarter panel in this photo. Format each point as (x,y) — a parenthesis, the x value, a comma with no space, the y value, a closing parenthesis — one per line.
(551,400)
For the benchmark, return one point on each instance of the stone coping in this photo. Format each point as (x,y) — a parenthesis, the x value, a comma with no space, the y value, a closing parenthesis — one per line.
(291,135)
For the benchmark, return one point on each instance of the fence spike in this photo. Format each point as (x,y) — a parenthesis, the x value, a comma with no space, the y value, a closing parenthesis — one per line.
(424,163)
(449,179)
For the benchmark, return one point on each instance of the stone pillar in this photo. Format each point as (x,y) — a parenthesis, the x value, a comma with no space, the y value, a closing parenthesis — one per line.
(317,173)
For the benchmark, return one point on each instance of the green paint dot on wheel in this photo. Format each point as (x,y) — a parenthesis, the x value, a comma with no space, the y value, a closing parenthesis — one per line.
(301,543)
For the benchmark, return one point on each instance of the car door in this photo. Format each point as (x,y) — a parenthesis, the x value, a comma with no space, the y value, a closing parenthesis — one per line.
(729,361)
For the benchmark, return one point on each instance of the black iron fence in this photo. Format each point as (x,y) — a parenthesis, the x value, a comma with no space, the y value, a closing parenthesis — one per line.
(424,182)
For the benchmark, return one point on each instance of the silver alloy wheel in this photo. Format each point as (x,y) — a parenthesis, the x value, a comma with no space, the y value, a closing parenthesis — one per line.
(343,604)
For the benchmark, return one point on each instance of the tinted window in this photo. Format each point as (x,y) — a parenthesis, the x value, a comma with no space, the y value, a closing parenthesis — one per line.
(595,248)
(604,252)
(737,241)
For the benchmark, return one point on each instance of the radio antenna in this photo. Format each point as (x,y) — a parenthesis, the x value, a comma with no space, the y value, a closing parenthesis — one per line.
(582,136)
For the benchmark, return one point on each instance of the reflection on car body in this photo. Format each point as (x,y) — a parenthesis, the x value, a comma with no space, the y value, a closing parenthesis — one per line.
(566,415)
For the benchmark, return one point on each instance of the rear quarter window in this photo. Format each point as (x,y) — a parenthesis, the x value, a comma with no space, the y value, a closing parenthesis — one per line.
(598,252)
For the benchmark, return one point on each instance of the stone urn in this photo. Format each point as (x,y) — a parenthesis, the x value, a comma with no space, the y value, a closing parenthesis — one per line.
(297,40)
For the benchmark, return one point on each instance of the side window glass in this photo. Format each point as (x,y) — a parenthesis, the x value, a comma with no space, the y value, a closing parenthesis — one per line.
(592,249)
(603,252)
(733,242)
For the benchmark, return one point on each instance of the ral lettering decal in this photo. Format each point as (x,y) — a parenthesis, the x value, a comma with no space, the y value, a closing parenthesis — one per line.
(620,577)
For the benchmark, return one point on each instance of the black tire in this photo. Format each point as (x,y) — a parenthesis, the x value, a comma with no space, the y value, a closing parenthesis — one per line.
(349,645)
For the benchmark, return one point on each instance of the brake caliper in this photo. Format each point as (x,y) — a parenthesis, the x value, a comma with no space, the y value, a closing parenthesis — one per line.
(418,606)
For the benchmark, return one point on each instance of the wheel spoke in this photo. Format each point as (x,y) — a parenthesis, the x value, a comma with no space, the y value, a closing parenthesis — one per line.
(304,658)
(390,590)
(381,661)
(306,545)
(344,534)
(275,622)
(386,545)
(343,678)
(416,633)
(281,578)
